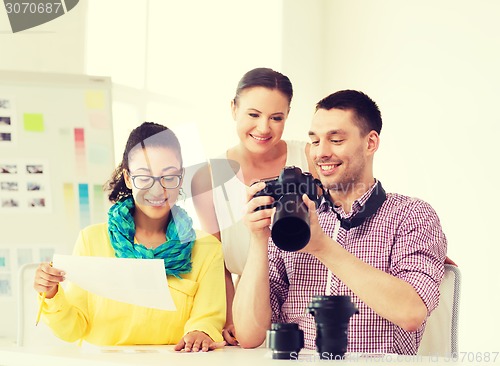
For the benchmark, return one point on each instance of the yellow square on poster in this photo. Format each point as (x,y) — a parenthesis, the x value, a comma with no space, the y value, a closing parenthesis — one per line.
(94,99)
(33,122)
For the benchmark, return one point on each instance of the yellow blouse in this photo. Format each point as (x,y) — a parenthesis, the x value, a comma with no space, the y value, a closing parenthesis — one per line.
(200,299)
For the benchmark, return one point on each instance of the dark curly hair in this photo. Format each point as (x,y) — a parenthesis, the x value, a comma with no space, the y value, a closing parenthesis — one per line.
(150,134)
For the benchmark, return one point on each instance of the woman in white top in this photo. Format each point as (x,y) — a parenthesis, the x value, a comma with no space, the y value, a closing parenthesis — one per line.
(260,109)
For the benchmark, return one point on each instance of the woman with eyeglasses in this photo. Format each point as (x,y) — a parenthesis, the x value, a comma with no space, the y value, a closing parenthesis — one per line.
(144,222)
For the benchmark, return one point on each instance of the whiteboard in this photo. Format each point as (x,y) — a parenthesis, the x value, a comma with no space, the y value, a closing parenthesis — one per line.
(56,152)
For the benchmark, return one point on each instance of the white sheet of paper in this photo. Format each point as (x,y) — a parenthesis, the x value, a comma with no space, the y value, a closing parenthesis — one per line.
(135,281)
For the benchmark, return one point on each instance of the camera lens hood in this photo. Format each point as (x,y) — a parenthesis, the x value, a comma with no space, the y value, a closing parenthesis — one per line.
(331,315)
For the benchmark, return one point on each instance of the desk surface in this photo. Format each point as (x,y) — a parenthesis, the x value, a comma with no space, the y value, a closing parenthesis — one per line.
(165,355)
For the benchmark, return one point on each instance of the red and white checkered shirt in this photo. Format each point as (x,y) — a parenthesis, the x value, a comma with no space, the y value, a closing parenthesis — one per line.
(403,238)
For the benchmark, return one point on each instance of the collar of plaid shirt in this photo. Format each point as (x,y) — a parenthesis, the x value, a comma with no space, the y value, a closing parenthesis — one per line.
(374,202)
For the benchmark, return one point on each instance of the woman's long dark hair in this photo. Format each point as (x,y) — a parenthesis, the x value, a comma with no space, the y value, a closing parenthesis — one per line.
(147,134)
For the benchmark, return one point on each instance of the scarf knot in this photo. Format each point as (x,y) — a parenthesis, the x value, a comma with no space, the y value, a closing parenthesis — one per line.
(175,251)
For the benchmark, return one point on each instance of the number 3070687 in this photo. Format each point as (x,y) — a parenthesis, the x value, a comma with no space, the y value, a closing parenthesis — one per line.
(34,8)
(476,357)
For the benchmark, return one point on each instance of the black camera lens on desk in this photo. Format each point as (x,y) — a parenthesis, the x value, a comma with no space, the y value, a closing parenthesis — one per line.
(290,230)
(331,315)
(285,340)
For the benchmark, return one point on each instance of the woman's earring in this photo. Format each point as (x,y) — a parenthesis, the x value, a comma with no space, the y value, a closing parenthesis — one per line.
(182,195)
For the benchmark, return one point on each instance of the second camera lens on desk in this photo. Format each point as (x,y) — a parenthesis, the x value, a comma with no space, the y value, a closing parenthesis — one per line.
(285,340)
(332,315)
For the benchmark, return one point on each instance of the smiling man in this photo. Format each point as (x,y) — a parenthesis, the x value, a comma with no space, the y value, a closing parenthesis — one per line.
(384,250)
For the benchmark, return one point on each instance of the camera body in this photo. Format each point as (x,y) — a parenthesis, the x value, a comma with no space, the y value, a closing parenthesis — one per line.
(290,229)
(290,181)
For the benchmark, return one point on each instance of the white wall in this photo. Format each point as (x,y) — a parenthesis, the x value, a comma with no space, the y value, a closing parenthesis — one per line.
(303,61)
(433,68)
(56,46)
(177,62)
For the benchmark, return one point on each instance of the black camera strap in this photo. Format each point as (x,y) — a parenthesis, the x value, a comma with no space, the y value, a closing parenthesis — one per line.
(371,206)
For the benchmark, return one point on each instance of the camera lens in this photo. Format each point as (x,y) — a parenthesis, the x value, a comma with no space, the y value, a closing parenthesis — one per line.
(285,340)
(290,230)
(331,315)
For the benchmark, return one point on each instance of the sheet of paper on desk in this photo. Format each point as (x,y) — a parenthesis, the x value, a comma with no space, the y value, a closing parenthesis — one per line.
(135,281)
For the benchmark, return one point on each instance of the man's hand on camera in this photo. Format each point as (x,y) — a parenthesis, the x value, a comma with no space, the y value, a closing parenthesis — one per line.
(319,240)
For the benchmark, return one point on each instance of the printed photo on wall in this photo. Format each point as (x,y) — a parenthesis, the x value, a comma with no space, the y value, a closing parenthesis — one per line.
(5,136)
(9,186)
(23,185)
(8,127)
(4,260)
(36,202)
(5,121)
(34,169)
(8,168)
(5,285)
(4,103)
(9,203)
(34,186)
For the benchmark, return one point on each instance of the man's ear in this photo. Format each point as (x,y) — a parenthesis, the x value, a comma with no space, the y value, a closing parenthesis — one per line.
(126,178)
(372,142)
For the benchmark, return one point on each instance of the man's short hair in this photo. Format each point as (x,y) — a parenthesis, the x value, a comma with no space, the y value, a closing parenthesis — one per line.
(365,109)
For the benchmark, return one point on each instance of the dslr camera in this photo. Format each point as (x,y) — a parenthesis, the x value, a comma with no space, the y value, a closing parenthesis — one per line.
(290,230)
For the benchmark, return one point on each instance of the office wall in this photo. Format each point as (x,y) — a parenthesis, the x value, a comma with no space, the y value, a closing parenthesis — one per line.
(432,66)
(56,46)
(303,61)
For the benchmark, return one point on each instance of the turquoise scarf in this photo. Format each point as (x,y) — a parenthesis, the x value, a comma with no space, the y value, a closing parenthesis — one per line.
(175,252)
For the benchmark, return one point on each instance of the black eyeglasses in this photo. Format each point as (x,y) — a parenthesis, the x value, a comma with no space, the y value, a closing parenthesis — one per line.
(147,181)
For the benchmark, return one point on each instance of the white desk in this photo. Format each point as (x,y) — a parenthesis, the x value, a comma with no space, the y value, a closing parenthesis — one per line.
(72,355)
